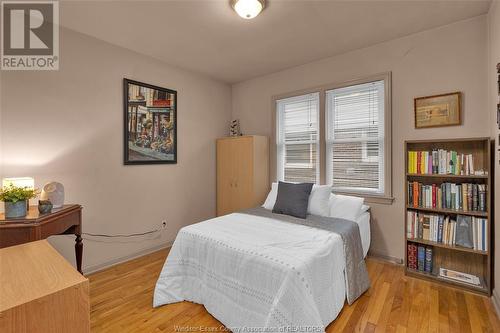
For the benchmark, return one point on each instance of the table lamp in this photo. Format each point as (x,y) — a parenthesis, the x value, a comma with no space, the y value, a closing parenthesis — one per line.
(28,182)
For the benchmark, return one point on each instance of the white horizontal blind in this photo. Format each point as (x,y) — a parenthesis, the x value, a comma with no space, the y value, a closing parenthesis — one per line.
(298,138)
(355,138)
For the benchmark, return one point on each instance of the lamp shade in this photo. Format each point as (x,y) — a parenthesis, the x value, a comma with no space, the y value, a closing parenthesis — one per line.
(19,182)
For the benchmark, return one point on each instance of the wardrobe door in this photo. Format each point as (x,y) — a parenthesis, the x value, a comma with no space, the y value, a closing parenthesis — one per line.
(225,175)
(242,185)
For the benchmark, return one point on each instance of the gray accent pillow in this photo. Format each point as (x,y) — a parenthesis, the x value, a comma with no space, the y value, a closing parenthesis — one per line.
(293,199)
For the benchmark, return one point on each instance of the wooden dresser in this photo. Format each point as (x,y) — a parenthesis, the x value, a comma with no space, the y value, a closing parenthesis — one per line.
(41,292)
(242,172)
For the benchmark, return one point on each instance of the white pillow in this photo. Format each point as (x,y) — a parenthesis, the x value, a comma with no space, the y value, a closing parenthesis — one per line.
(364,209)
(345,207)
(271,197)
(318,200)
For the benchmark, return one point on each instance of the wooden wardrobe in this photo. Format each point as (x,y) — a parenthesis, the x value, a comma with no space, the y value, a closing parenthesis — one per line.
(242,172)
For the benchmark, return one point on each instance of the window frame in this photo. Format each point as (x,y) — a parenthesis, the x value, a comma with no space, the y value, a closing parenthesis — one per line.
(381,198)
(330,141)
(280,145)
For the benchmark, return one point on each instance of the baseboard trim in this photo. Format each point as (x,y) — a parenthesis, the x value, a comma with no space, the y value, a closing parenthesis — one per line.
(114,262)
(495,299)
(384,257)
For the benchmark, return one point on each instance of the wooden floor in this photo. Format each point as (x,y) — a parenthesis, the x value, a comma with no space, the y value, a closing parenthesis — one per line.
(121,301)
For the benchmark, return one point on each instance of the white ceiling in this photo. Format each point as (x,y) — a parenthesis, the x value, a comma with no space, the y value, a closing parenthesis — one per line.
(207,36)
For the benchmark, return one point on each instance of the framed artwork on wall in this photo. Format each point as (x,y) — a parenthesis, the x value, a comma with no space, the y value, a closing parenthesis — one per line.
(150,124)
(438,110)
(498,87)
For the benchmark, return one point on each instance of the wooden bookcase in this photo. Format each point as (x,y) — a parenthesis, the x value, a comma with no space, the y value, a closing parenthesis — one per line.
(447,256)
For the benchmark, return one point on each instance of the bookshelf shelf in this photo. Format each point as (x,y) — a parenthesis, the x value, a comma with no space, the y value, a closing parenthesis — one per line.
(444,246)
(448,211)
(457,258)
(447,176)
(481,288)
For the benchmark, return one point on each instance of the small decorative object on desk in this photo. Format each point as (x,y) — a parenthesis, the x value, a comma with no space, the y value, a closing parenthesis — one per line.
(16,200)
(44,206)
(234,129)
(54,192)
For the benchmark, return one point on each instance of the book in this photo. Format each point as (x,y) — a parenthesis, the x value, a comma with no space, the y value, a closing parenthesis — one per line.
(464,237)
(440,161)
(459,276)
(428,259)
(454,196)
(421,258)
(412,256)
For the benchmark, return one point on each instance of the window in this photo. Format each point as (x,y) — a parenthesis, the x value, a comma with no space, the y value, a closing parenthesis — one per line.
(298,138)
(355,138)
(338,134)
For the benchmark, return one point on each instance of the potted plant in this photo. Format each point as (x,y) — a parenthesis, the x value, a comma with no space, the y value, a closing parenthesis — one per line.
(16,200)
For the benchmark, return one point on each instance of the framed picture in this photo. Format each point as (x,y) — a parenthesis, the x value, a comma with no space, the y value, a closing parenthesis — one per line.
(498,75)
(438,110)
(498,105)
(150,124)
(498,115)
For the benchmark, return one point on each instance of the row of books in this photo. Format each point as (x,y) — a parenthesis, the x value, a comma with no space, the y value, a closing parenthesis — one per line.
(443,162)
(465,197)
(465,231)
(420,257)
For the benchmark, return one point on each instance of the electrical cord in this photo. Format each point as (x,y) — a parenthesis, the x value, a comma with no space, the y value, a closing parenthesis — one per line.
(122,235)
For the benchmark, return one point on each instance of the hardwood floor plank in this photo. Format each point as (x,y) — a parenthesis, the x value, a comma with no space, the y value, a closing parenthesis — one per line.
(121,301)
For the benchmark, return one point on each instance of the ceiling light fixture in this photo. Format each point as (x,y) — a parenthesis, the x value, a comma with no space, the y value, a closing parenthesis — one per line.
(248,9)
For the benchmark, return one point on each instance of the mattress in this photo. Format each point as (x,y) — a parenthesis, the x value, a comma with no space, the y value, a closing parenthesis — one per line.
(259,273)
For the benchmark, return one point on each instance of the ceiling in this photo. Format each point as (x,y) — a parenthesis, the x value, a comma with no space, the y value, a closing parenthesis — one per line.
(209,37)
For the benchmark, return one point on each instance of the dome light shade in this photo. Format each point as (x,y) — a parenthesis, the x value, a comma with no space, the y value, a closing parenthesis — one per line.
(248,9)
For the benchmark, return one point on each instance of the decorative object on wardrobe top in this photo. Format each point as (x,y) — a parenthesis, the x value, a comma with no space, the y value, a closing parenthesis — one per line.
(234,128)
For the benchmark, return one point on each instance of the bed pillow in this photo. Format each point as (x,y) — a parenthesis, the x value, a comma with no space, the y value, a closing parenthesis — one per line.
(271,197)
(293,199)
(345,206)
(364,209)
(319,200)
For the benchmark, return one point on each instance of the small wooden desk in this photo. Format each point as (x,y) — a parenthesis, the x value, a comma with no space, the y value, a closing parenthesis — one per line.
(41,292)
(35,226)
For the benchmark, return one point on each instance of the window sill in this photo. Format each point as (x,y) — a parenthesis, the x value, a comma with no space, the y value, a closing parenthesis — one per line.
(377,199)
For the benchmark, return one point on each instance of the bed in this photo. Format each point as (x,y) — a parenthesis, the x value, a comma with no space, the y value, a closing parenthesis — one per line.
(261,272)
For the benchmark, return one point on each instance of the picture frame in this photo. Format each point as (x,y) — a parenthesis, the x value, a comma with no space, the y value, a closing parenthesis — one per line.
(150,124)
(498,80)
(498,87)
(438,110)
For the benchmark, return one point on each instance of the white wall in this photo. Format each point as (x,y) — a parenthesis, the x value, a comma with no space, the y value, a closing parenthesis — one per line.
(66,126)
(446,59)
(493,99)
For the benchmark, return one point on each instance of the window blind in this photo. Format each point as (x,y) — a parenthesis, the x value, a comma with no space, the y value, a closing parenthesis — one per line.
(355,138)
(298,138)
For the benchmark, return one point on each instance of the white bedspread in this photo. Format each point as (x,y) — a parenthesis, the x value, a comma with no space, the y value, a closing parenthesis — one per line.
(256,272)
